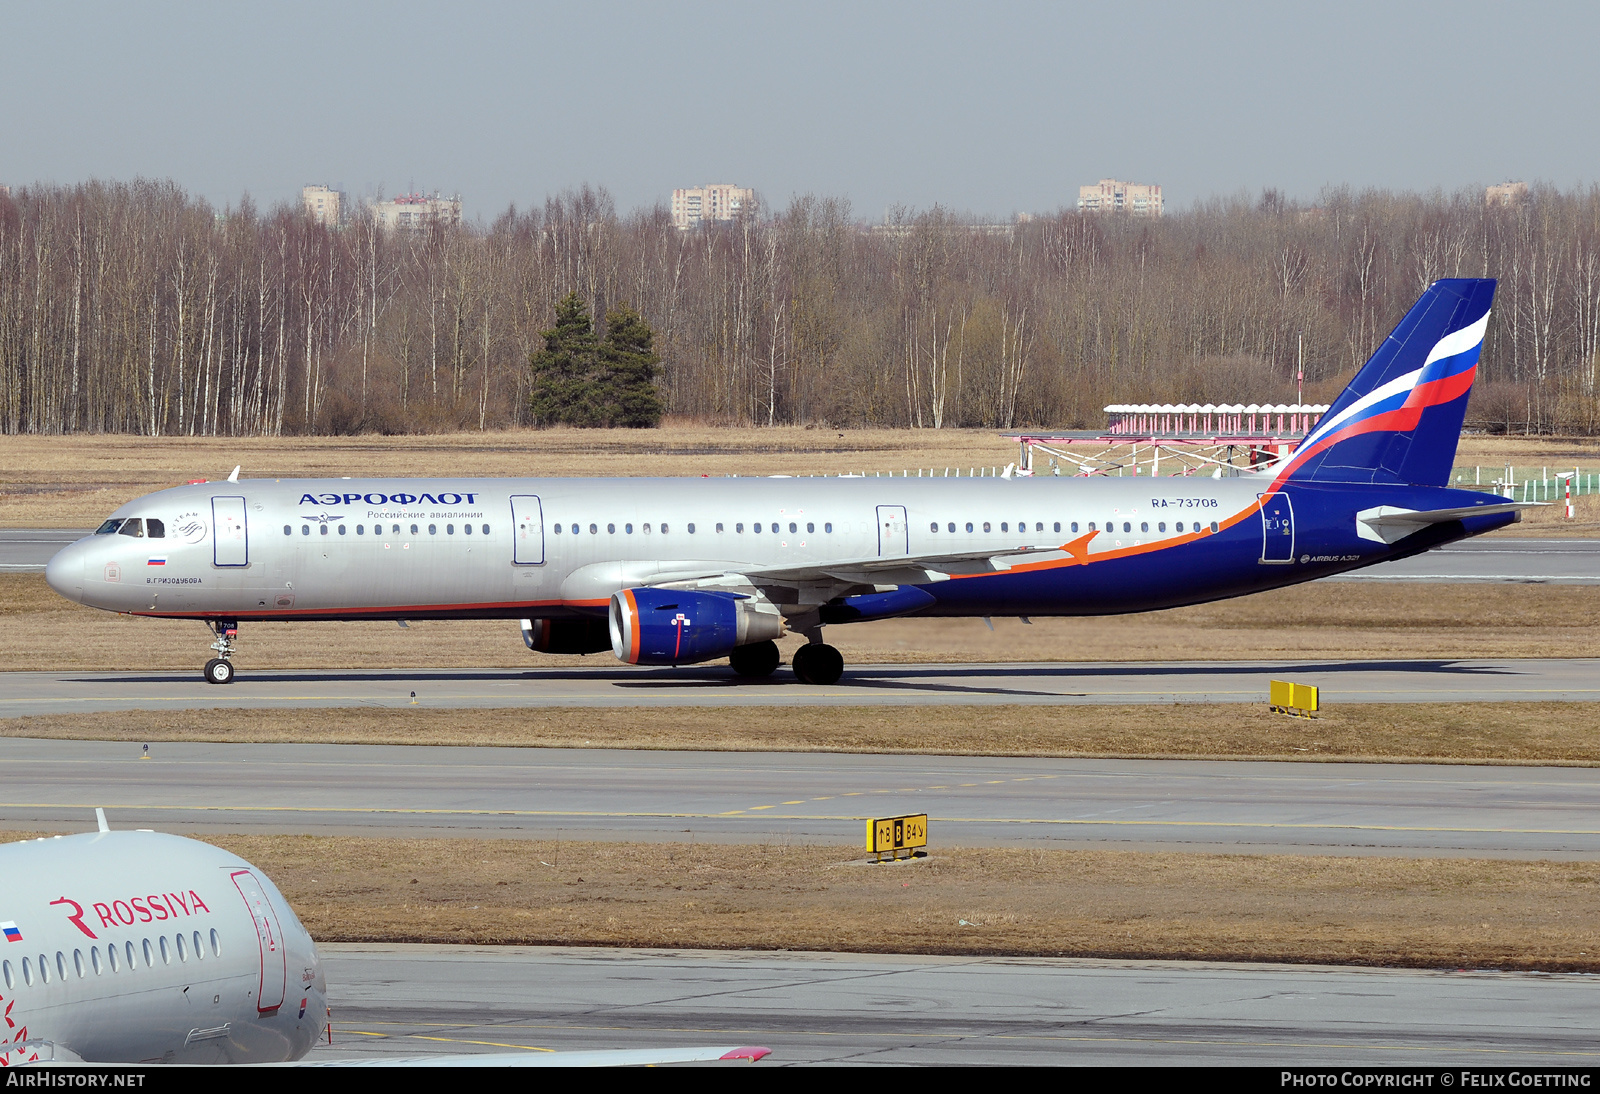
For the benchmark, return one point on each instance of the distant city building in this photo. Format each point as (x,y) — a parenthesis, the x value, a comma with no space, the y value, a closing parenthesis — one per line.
(322,204)
(5,191)
(418,212)
(719,201)
(1507,193)
(1114,196)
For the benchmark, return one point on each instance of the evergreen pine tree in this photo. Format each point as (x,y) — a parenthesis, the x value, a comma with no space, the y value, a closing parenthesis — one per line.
(628,360)
(564,385)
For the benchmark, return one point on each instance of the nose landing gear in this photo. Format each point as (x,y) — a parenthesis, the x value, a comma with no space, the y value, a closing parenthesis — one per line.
(219,670)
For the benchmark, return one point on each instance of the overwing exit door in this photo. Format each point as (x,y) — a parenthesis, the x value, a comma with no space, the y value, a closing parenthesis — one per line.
(1277,529)
(894,535)
(527,524)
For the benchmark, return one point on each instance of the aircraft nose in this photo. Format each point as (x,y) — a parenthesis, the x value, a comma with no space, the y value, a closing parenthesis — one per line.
(64,572)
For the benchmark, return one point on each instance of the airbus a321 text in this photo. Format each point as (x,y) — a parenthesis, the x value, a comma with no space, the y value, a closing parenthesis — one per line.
(674,571)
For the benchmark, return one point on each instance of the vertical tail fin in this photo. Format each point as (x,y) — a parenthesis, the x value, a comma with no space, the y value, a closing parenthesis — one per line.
(1400,419)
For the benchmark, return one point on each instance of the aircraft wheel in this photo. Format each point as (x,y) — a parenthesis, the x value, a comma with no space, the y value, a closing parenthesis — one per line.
(219,671)
(756,659)
(818,664)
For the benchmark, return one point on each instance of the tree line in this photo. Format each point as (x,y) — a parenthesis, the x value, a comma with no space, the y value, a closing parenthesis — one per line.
(135,307)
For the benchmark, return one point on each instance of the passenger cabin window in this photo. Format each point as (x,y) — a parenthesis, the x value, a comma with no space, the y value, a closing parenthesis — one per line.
(199,948)
(934,527)
(810,527)
(611,529)
(828,527)
(10,977)
(324,529)
(216,944)
(450,529)
(361,529)
(793,527)
(969,526)
(433,529)
(691,527)
(594,529)
(1144,526)
(467,528)
(305,529)
(738,527)
(1213,526)
(288,531)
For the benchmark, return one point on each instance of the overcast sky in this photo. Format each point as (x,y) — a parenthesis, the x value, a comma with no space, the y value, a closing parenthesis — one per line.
(987,108)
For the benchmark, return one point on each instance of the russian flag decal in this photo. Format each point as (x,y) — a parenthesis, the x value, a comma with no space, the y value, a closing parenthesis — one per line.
(13,934)
(159,560)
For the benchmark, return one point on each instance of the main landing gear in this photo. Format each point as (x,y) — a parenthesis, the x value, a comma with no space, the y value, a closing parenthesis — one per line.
(219,670)
(755,660)
(818,663)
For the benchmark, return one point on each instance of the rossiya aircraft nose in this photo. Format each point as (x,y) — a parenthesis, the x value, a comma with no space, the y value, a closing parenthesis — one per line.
(64,572)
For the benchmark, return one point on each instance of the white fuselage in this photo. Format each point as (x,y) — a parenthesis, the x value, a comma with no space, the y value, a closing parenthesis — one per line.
(509,548)
(139,947)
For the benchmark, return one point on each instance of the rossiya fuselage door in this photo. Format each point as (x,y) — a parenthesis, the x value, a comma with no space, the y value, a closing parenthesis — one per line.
(527,523)
(230,538)
(269,935)
(1277,529)
(894,535)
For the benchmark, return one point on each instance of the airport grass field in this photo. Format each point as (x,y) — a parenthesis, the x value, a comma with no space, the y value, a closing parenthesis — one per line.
(1390,910)
(74,481)
(1418,912)
(1542,733)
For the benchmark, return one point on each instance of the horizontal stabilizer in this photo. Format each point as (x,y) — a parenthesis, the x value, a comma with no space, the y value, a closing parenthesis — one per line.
(1389,523)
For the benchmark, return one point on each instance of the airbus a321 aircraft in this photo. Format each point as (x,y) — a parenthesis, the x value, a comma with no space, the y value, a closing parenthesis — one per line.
(138,947)
(673,571)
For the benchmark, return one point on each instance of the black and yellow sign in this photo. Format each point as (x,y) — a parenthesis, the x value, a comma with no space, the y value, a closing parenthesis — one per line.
(891,835)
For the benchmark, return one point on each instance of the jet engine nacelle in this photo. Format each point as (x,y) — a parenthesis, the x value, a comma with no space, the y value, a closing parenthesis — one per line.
(680,627)
(566,635)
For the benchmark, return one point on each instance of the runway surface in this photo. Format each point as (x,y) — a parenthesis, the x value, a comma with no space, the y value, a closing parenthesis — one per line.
(813,797)
(611,684)
(1544,561)
(871,1009)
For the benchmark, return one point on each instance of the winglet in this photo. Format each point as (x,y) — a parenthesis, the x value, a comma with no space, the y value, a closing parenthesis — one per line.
(235,476)
(752,1053)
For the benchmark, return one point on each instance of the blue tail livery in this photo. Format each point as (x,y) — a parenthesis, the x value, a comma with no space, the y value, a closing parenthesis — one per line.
(691,569)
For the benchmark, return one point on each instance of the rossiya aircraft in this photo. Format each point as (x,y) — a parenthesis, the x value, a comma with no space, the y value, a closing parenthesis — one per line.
(139,947)
(670,571)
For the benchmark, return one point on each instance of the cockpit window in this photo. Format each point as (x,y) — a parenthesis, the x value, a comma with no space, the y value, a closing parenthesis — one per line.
(133,526)
(108,527)
(155,529)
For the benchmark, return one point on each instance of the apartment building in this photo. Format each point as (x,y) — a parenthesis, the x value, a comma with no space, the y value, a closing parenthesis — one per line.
(718,201)
(418,212)
(1115,196)
(323,204)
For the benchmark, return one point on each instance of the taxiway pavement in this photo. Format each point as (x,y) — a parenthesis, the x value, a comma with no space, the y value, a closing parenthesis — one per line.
(539,793)
(880,1009)
(611,684)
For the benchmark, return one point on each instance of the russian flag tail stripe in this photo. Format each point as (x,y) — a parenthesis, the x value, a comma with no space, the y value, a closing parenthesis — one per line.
(1399,420)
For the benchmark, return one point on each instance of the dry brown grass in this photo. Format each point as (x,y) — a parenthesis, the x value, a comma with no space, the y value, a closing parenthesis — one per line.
(74,481)
(1456,732)
(1342,620)
(1372,911)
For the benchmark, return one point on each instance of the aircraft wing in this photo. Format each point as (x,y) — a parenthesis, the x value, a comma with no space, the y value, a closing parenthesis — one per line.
(878,569)
(629,1057)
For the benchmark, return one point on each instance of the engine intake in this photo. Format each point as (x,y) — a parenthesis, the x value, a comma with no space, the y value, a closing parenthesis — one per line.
(679,627)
